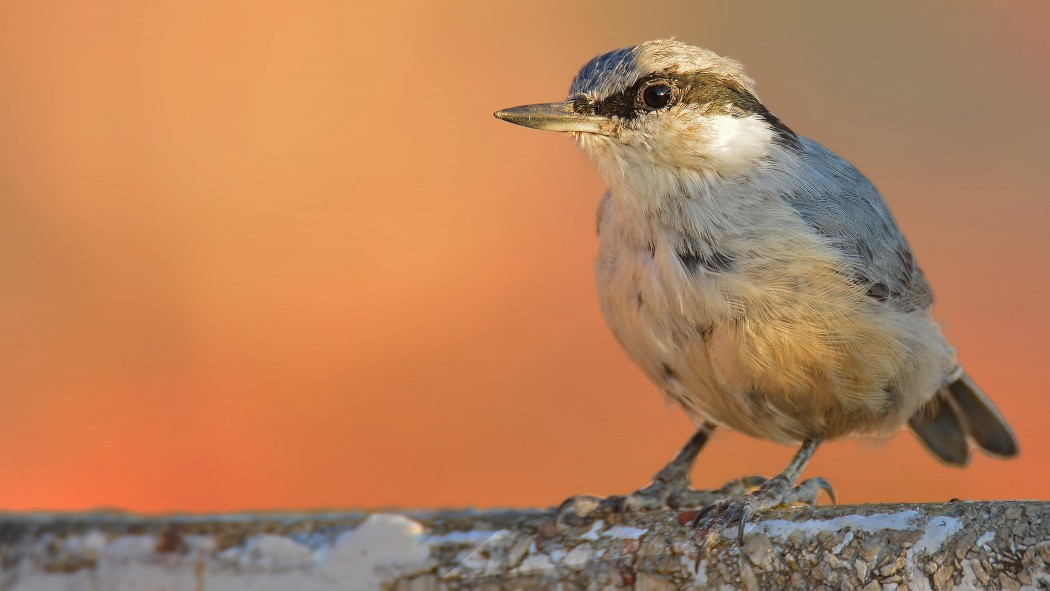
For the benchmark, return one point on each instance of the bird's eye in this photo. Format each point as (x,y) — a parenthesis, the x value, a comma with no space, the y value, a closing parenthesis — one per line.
(657,96)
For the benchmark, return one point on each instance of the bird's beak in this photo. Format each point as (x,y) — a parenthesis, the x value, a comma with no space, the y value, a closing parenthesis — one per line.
(555,117)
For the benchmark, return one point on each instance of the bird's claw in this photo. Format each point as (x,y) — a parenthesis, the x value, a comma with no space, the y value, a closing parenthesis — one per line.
(688,497)
(713,519)
(658,496)
(745,515)
(819,484)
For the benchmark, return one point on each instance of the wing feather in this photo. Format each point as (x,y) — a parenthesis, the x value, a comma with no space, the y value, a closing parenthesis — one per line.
(840,203)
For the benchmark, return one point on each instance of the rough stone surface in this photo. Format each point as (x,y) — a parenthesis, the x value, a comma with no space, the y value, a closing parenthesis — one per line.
(1003,545)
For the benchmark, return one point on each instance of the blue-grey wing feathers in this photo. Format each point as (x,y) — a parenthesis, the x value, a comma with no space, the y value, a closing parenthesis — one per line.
(843,206)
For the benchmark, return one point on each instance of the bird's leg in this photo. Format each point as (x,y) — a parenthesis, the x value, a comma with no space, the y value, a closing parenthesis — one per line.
(669,488)
(775,492)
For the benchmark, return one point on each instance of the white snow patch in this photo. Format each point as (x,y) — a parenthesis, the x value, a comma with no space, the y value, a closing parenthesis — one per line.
(534,562)
(475,537)
(865,523)
(382,544)
(130,548)
(617,531)
(624,532)
(937,531)
(581,554)
(985,538)
(592,534)
(846,539)
(200,543)
(271,552)
(90,543)
(478,559)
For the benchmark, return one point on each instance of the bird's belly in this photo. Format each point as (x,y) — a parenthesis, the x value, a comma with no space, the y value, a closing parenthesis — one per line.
(786,366)
(670,332)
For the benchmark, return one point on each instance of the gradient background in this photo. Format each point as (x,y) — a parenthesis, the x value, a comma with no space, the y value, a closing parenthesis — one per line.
(280,255)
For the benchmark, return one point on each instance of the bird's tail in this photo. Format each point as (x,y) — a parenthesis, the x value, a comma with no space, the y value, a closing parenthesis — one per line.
(959,412)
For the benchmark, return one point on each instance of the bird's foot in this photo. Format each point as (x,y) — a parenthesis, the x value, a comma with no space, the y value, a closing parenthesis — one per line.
(711,520)
(690,497)
(660,495)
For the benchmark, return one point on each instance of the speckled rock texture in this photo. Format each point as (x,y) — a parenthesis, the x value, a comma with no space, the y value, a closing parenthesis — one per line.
(964,545)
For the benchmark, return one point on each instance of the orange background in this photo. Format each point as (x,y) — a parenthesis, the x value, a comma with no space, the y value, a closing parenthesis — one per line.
(280,255)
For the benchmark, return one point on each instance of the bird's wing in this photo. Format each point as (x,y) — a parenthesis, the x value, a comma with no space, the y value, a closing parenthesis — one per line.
(841,204)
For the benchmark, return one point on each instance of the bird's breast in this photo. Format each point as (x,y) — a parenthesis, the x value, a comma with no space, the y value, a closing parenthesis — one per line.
(670,308)
(750,323)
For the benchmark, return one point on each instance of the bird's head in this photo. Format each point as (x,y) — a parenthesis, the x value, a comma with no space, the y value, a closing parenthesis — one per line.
(659,109)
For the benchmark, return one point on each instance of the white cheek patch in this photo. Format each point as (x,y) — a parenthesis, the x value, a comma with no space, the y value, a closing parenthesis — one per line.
(706,143)
(734,144)
(649,158)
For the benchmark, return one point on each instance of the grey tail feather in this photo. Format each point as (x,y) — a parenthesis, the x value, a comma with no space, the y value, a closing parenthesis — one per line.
(984,424)
(958,412)
(940,430)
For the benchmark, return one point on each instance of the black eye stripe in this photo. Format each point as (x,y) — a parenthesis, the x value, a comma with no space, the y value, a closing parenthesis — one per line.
(624,104)
(697,88)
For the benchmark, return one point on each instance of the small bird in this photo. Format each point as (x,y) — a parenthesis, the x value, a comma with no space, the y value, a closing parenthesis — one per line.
(757,278)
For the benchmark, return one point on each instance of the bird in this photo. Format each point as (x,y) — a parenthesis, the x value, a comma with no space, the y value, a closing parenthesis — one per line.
(757,278)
